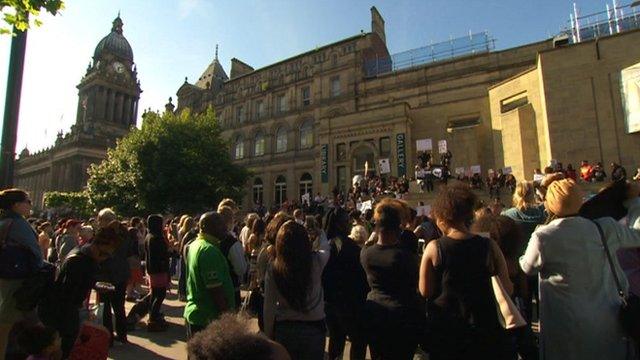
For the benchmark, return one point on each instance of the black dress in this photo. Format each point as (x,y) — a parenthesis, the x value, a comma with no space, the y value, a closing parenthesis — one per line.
(462,312)
(394,310)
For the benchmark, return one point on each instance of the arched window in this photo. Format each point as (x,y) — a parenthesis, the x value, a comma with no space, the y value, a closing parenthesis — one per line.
(258,191)
(306,135)
(259,144)
(239,147)
(281,139)
(306,187)
(280,190)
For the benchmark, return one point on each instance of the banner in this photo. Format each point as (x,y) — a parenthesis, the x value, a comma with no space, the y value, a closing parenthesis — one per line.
(385,167)
(424,145)
(475,169)
(402,160)
(442,146)
(324,163)
(630,91)
(507,170)
(423,210)
(459,171)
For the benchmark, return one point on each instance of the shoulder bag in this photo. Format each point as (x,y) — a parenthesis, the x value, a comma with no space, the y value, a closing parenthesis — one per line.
(629,313)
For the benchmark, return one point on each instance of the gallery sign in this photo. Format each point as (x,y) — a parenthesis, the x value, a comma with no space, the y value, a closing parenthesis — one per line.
(402,159)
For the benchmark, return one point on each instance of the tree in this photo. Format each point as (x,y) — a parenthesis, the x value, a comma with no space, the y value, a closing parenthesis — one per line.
(174,163)
(16,12)
(69,203)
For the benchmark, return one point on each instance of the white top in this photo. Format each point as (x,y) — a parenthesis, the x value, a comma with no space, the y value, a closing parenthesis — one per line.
(578,295)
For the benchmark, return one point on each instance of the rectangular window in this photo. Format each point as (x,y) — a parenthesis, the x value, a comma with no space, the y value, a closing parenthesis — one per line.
(281,103)
(342,178)
(385,146)
(341,152)
(240,114)
(259,109)
(306,96)
(335,86)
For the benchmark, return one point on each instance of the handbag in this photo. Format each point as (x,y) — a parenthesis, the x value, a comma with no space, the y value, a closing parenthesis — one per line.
(508,315)
(629,314)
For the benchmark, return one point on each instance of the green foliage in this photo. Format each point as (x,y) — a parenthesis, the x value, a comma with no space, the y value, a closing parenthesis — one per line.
(17,12)
(69,203)
(174,163)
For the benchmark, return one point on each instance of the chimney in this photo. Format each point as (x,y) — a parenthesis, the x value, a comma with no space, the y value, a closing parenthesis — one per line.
(377,24)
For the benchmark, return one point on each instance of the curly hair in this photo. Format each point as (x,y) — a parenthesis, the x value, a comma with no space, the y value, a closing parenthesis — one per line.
(524,196)
(229,338)
(454,204)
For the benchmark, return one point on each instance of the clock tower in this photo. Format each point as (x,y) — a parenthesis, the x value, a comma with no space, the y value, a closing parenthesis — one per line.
(108,93)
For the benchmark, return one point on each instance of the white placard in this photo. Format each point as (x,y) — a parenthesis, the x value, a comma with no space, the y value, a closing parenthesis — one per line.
(490,172)
(507,170)
(306,198)
(423,210)
(366,205)
(420,174)
(424,145)
(385,167)
(459,171)
(475,169)
(442,146)
(538,177)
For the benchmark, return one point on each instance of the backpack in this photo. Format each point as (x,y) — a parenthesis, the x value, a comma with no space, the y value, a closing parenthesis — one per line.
(16,260)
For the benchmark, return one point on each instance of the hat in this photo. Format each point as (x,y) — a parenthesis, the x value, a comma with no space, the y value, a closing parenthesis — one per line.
(563,198)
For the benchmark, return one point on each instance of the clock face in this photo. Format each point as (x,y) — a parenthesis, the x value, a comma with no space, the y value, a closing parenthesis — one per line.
(118,67)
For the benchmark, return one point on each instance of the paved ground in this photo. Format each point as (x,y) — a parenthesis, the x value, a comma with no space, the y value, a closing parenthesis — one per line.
(165,345)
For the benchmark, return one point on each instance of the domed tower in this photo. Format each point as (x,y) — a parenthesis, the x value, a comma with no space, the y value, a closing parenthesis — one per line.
(110,90)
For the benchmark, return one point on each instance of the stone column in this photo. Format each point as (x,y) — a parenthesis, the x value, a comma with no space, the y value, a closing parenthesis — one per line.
(110,96)
(134,108)
(126,110)
(117,117)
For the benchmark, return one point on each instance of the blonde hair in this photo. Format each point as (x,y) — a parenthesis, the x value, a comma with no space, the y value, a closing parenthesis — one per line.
(359,234)
(228,203)
(524,196)
(227,215)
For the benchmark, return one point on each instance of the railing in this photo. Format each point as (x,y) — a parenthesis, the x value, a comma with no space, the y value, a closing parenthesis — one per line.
(614,20)
(467,45)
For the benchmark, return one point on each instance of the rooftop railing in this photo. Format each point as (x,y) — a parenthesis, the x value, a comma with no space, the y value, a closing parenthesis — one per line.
(453,48)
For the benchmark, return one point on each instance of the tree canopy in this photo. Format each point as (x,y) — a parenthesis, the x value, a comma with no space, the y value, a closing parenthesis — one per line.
(173,163)
(69,203)
(17,12)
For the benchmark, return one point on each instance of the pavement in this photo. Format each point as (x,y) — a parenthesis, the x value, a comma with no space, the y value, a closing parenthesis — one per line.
(144,345)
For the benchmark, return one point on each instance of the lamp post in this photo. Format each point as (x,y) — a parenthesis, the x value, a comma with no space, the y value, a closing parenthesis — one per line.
(12,108)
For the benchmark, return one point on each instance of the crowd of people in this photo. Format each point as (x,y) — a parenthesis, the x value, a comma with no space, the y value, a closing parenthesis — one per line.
(465,281)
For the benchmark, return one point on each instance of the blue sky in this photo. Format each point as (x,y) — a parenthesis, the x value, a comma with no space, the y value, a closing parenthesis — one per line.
(172,39)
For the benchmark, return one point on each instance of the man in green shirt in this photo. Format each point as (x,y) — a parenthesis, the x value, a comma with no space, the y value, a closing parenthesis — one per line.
(210,291)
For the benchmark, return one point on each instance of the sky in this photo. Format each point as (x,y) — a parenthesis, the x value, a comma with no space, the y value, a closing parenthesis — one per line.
(172,39)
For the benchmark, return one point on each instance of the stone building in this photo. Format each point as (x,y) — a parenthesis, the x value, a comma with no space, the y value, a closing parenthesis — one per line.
(311,122)
(108,97)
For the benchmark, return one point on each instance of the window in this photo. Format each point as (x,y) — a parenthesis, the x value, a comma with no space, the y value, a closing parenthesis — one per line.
(259,109)
(334,60)
(259,144)
(281,103)
(239,148)
(258,191)
(306,135)
(341,152)
(385,146)
(240,114)
(280,190)
(306,186)
(335,86)
(306,96)
(281,139)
